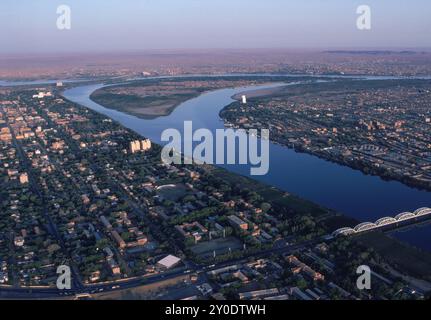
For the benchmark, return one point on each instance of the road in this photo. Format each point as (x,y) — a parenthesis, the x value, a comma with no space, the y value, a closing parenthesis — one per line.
(46,293)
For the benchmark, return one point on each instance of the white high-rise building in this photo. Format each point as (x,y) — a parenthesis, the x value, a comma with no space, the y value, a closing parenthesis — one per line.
(244,99)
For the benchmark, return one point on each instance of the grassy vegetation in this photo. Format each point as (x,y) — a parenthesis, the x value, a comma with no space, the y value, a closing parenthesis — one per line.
(161,96)
(278,198)
(402,256)
(144,107)
(346,86)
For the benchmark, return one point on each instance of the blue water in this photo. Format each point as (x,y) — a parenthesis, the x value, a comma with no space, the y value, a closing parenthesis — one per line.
(14,83)
(349,191)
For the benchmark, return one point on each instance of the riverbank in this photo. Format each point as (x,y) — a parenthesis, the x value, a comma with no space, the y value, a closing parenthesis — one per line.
(157,97)
(363,124)
(209,105)
(141,107)
(412,261)
(407,262)
(361,197)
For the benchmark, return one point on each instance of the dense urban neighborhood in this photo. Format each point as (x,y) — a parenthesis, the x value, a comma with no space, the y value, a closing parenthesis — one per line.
(380,127)
(78,189)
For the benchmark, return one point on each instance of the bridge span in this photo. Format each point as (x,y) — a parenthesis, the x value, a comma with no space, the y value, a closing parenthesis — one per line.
(403,217)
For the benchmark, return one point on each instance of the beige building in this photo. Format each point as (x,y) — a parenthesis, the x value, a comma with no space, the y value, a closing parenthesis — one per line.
(23,178)
(143,145)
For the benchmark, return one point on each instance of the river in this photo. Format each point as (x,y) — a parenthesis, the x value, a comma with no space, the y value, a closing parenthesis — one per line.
(15,83)
(349,191)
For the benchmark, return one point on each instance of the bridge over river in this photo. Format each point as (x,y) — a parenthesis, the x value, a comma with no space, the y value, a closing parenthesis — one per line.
(400,219)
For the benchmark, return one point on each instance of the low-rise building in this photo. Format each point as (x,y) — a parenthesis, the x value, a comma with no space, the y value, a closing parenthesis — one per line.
(258,293)
(168,262)
(237,222)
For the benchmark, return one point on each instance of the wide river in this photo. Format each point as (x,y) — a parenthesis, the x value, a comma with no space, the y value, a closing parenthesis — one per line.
(349,191)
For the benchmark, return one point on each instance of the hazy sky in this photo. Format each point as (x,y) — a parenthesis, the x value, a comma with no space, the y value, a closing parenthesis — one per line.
(112,25)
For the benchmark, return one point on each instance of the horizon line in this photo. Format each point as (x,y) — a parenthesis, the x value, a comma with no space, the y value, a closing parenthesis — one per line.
(219,49)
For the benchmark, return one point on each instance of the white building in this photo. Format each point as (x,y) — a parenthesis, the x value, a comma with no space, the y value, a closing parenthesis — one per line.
(244,99)
(19,241)
(169,262)
(42,95)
